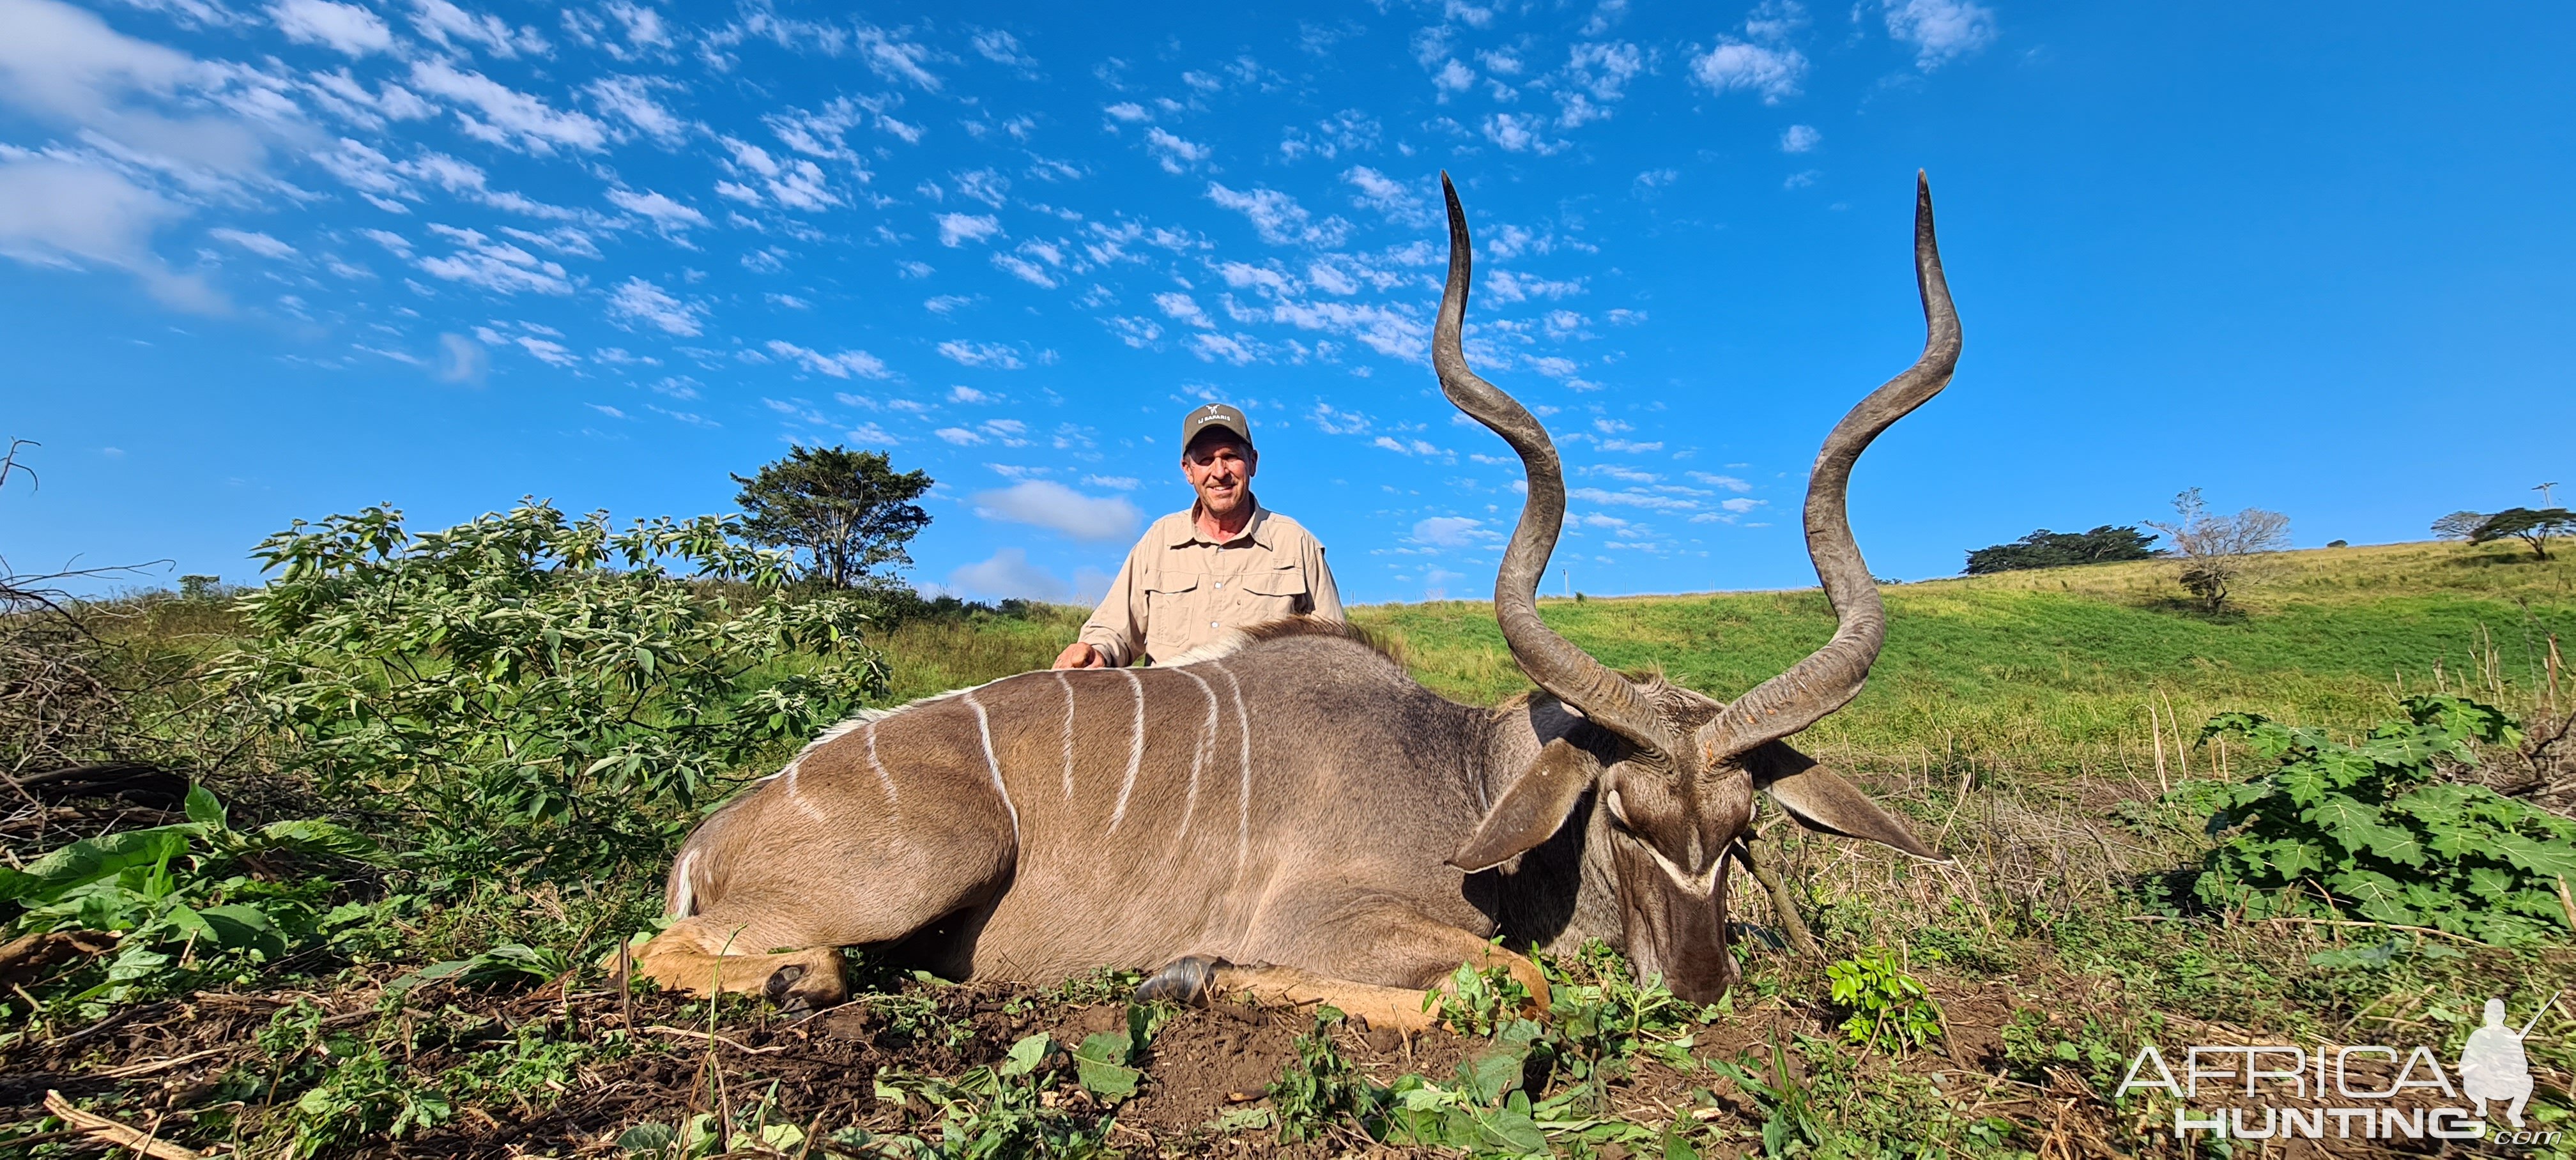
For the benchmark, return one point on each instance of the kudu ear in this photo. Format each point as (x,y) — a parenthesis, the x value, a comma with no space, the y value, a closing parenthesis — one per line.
(1532,809)
(1821,800)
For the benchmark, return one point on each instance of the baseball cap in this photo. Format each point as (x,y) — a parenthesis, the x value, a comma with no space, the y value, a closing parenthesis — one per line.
(1215,415)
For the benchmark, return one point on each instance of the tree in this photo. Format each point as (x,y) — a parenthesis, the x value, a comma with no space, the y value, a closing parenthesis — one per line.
(2458,525)
(849,511)
(2532,526)
(2047,549)
(2214,549)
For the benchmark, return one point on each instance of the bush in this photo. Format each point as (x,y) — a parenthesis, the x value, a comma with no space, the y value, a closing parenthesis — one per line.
(534,692)
(2047,549)
(2380,831)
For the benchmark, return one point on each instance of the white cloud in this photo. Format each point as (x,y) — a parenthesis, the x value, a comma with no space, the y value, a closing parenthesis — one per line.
(1940,30)
(664,212)
(1120,482)
(1182,308)
(507,113)
(1176,154)
(349,28)
(981,354)
(260,244)
(1047,504)
(1519,133)
(1410,446)
(630,99)
(966,394)
(1633,497)
(1387,196)
(1451,532)
(1278,219)
(1506,287)
(1800,139)
(1728,482)
(1453,77)
(1215,347)
(839,366)
(460,360)
(496,266)
(1002,48)
(959,436)
(550,353)
(55,213)
(1024,270)
(446,23)
(1128,111)
(1735,64)
(957,229)
(642,301)
(1008,575)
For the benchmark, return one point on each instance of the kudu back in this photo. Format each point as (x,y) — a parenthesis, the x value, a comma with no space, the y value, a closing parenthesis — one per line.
(1291,815)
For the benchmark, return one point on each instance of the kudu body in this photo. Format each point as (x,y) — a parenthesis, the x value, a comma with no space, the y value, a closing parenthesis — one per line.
(1295,812)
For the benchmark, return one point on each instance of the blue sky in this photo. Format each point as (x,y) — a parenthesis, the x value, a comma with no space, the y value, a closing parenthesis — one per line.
(267,261)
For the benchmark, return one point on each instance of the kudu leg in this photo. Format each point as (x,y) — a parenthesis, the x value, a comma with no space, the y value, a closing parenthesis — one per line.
(703,956)
(1413,956)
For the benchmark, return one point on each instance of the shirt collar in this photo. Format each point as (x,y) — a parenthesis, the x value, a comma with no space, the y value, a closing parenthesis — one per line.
(1258,530)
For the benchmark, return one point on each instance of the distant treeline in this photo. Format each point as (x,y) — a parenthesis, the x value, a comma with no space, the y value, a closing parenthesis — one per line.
(2047,549)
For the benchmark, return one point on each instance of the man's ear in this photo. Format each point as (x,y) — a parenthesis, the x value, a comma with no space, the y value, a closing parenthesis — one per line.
(1819,799)
(1532,809)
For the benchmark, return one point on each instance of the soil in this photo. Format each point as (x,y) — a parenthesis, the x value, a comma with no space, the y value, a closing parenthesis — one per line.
(162,1061)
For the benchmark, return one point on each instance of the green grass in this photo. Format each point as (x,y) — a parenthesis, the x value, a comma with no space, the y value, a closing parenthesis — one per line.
(2054,669)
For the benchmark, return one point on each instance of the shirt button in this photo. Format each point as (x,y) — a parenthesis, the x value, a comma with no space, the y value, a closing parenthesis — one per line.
(1211,624)
(1220,583)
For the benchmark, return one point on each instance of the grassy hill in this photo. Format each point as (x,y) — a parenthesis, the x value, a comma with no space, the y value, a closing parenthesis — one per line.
(2044,670)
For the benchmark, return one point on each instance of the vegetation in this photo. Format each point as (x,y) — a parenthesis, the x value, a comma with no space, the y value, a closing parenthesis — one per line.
(2214,549)
(849,512)
(437,780)
(2382,831)
(2532,526)
(2046,549)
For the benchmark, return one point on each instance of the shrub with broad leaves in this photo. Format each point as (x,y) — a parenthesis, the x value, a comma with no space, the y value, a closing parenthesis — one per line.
(538,693)
(2380,831)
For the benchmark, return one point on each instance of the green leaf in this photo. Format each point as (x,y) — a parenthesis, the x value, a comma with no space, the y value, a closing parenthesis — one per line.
(2376,895)
(1488,1076)
(2549,859)
(1027,1054)
(320,837)
(647,1138)
(204,809)
(48,878)
(1101,1065)
(2293,859)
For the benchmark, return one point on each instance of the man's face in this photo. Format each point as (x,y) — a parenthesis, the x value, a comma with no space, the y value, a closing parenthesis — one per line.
(1220,469)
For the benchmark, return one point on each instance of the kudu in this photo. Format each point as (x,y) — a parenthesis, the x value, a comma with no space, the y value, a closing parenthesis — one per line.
(1295,817)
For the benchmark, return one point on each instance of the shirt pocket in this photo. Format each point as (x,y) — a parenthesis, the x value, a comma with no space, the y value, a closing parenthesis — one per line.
(1172,601)
(1270,593)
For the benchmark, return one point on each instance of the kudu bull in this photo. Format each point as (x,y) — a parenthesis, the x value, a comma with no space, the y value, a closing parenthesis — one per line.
(1294,817)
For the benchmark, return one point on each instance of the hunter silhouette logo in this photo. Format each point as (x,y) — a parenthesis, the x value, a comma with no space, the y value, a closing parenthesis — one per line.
(2493,1068)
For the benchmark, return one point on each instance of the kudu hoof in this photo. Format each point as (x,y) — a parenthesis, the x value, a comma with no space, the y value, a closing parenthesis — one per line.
(1185,981)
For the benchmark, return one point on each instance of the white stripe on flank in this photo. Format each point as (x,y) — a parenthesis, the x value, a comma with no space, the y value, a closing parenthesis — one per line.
(1067,682)
(1243,798)
(803,806)
(1135,748)
(883,778)
(1199,754)
(984,729)
(684,893)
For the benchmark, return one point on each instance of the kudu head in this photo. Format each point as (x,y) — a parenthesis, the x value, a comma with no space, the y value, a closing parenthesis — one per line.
(1677,771)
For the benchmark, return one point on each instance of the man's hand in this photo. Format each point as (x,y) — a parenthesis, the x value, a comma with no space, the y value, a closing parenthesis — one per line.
(1080,656)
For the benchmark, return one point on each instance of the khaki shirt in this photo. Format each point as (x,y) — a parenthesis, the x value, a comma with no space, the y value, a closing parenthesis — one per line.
(1180,590)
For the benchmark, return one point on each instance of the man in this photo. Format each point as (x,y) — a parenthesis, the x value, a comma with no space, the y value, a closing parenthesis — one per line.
(1226,563)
